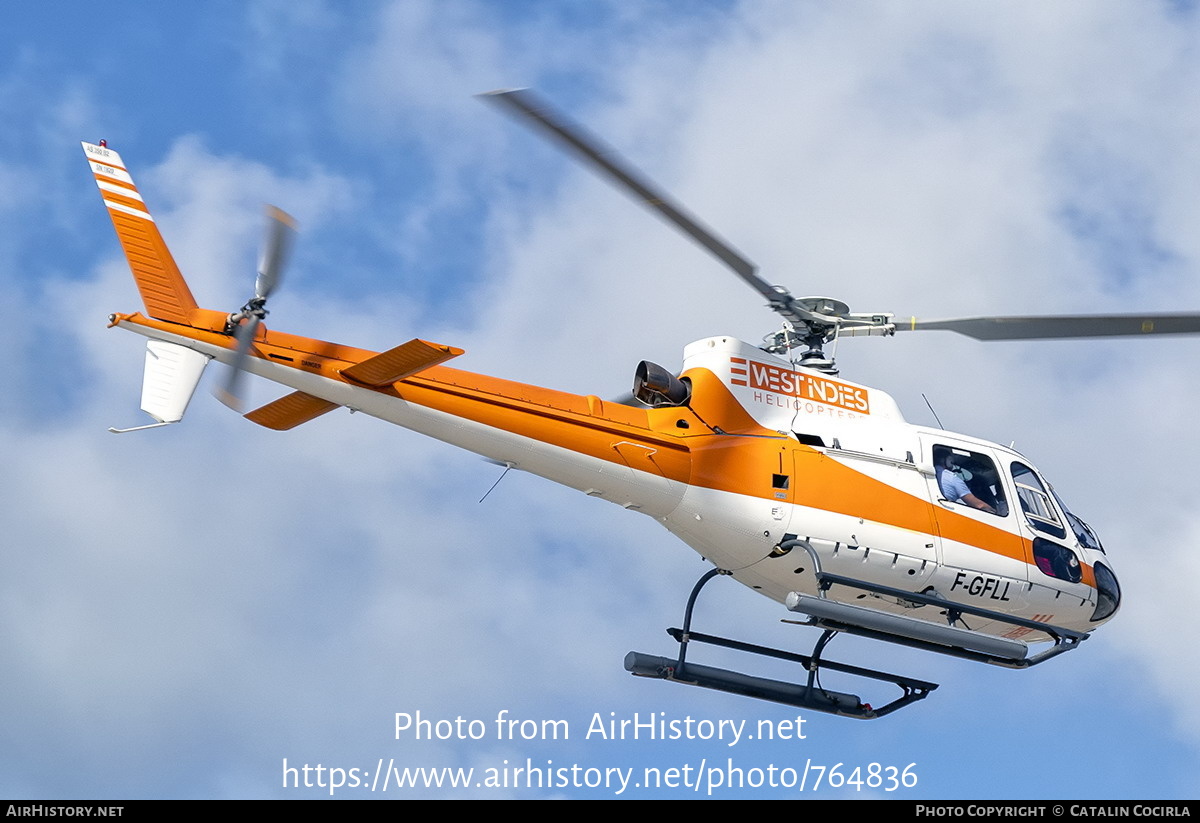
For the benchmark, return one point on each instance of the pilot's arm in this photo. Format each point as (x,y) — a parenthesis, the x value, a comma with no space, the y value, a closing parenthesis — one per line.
(956,491)
(975,503)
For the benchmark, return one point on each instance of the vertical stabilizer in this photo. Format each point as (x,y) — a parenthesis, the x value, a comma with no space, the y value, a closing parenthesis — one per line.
(163,289)
(172,373)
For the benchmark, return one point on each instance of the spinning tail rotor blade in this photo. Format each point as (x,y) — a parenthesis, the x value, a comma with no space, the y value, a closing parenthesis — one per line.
(524,104)
(277,246)
(231,392)
(281,233)
(1059,327)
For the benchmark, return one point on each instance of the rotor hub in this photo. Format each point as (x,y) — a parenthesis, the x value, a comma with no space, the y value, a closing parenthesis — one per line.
(823,306)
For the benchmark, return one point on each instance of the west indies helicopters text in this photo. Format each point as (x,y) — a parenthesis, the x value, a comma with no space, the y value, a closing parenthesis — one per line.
(807,488)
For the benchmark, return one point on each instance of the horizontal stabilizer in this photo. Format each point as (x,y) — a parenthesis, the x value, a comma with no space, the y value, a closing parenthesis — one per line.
(396,364)
(163,289)
(290,411)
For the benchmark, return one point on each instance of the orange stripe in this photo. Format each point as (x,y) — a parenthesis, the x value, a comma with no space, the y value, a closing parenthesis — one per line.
(124,201)
(112,181)
(1089,575)
(105,162)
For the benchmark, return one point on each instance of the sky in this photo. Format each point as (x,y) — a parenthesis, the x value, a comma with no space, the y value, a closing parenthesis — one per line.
(190,612)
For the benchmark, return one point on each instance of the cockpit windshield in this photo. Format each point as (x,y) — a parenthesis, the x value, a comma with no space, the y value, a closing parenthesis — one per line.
(1083,532)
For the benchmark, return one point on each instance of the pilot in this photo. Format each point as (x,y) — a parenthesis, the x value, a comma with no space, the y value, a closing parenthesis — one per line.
(952,485)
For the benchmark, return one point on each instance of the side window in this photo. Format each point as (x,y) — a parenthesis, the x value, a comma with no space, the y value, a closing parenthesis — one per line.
(1035,502)
(969,479)
(1056,561)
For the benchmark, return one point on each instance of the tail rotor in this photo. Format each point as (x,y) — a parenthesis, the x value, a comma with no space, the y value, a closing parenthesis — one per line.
(243,325)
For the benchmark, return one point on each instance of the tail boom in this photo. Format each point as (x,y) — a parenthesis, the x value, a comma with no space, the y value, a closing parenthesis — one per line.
(531,427)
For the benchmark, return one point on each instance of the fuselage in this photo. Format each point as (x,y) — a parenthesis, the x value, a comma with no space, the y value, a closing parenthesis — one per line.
(761,453)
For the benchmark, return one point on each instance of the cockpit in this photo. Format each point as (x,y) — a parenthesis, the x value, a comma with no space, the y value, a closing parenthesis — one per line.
(1062,542)
(1107,589)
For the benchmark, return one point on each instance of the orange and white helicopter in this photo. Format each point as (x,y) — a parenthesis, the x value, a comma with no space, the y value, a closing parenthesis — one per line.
(810,489)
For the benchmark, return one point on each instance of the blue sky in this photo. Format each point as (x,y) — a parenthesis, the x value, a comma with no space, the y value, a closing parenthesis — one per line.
(187,608)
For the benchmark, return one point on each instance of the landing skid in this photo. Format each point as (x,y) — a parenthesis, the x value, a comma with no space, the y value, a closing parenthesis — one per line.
(809,695)
(952,638)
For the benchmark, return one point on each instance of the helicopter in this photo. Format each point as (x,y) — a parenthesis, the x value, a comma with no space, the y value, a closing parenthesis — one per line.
(806,487)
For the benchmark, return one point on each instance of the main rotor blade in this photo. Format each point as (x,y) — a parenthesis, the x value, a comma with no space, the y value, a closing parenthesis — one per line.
(231,393)
(524,103)
(281,231)
(1066,326)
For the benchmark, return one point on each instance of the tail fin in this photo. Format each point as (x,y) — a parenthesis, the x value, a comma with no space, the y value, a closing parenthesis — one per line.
(166,295)
(171,376)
